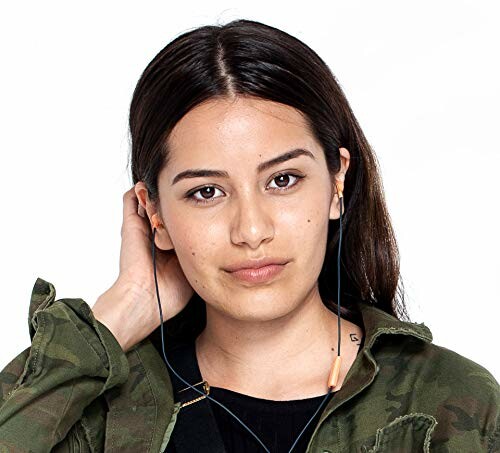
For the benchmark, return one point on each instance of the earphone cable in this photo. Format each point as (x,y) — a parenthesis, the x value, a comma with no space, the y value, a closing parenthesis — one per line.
(338,274)
(214,400)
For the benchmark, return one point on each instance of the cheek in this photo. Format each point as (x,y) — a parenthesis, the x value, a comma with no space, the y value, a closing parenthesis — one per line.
(306,228)
(197,251)
(306,236)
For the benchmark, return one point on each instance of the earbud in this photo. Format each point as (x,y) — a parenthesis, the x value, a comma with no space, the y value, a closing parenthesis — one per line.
(340,188)
(156,221)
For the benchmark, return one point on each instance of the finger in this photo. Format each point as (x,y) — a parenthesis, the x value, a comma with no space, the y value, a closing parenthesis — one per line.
(130,203)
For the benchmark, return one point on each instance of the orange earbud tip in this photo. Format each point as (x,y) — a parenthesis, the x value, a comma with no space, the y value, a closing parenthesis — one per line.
(156,223)
(340,189)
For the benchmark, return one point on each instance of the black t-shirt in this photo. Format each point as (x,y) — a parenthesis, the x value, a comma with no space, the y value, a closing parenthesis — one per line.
(276,423)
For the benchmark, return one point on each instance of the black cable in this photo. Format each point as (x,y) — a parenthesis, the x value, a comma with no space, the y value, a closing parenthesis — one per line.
(208,396)
(338,273)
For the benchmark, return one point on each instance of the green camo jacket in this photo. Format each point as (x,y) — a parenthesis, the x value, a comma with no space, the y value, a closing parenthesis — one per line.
(75,390)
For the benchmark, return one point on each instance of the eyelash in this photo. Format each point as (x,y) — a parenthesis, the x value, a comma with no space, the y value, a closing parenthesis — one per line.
(190,197)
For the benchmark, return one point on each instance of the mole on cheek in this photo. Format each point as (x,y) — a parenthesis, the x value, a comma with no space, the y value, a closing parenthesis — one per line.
(308,220)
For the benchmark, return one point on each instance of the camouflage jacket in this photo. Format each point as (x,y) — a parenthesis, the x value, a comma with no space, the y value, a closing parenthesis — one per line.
(75,390)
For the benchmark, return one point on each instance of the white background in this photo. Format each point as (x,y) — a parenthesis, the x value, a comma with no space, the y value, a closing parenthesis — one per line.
(422,79)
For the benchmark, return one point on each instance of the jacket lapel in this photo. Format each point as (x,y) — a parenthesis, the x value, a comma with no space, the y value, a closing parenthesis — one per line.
(376,324)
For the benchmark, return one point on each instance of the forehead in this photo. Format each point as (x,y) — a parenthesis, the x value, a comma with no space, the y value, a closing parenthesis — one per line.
(242,125)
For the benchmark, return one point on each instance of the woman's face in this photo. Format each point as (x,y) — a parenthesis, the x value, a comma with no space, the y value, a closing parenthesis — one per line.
(251,212)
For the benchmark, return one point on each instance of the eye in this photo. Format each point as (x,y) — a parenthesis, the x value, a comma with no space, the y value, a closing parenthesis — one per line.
(205,190)
(208,190)
(284,178)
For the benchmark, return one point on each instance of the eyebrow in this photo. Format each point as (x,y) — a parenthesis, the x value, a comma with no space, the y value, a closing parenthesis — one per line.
(199,173)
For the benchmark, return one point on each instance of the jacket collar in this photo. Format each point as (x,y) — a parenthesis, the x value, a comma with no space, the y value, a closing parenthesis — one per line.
(378,326)
(377,322)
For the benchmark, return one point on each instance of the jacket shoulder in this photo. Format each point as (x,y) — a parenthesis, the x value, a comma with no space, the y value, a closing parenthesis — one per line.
(457,370)
(419,382)
(463,395)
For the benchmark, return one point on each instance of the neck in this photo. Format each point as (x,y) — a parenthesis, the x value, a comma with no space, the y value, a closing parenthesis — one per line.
(285,358)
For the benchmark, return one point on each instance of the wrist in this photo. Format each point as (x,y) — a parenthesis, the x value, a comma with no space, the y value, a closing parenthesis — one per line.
(125,309)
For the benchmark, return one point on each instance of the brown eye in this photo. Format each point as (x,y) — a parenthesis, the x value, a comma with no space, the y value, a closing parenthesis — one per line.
(283,179)
(207,192)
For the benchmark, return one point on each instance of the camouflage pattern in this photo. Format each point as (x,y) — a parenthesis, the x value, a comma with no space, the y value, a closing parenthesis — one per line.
(75,390)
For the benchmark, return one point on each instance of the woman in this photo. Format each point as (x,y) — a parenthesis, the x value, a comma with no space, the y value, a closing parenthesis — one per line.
(245,154)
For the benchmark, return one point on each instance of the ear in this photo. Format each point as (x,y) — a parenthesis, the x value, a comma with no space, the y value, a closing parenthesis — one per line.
(162,238)
(339,178)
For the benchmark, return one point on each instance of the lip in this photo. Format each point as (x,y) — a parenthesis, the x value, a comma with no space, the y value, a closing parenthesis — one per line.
(260,275)
(256,263)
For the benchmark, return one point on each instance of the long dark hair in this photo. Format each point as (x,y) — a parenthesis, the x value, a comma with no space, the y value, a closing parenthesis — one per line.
(249,58)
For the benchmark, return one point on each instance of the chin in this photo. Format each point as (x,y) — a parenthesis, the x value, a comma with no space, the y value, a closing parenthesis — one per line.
(265,309)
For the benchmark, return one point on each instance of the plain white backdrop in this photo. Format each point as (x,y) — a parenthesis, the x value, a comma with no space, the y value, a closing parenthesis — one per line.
(421,77)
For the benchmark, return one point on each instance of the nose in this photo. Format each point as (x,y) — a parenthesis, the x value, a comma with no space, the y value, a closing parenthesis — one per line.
(253,222)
